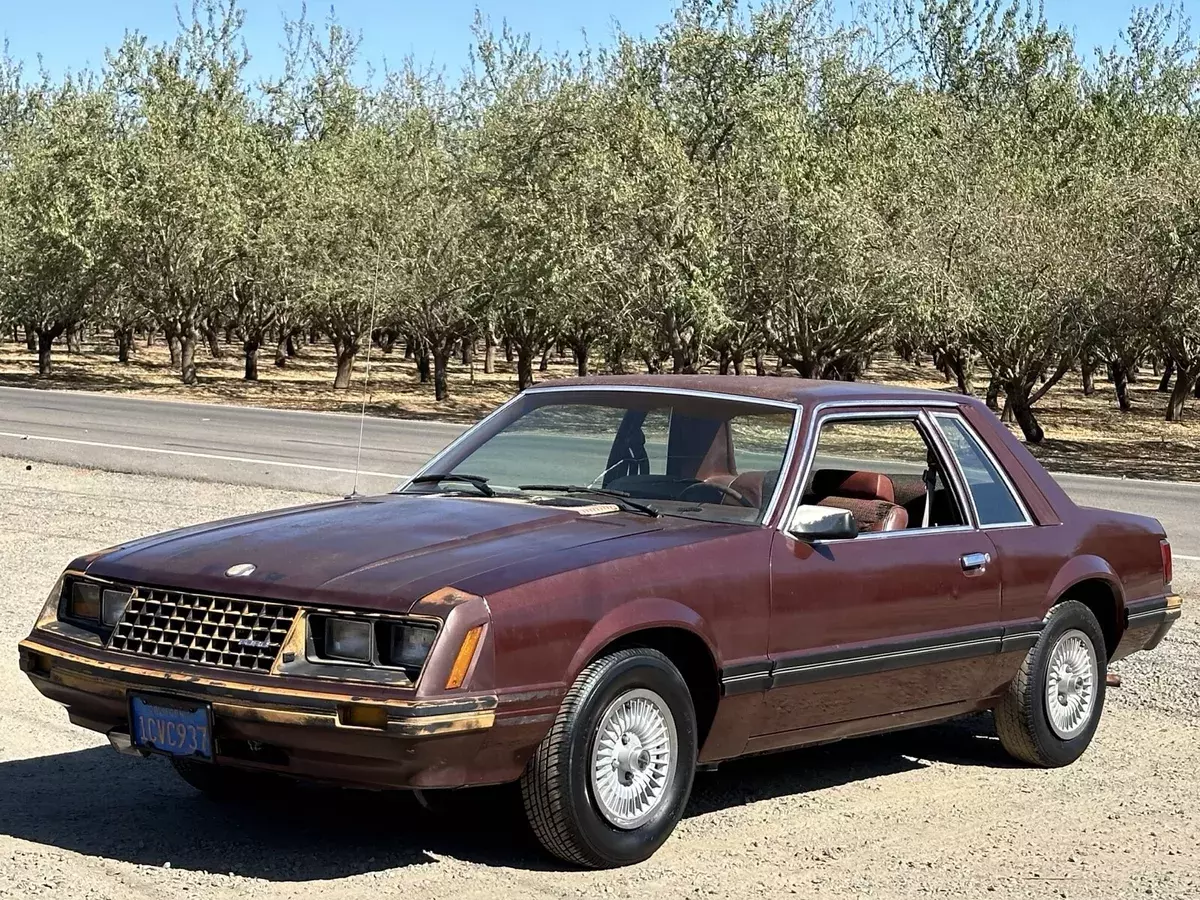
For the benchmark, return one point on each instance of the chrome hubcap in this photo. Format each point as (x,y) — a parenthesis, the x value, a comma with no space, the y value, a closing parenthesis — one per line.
(633,757)
(1071,681)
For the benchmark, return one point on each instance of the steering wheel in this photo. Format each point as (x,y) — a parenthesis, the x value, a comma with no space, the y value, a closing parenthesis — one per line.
(724,489)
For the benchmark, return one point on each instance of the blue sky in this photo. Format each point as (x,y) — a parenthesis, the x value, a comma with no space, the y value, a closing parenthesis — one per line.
(70,34)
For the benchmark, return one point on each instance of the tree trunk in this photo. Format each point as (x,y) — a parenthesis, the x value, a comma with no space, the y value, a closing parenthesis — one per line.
(582,353)
(508,350)
(489,352)
(544,365)
(738,358)
(524,366)
(281,354)
(31,339)
(1185,380)
(214,343)
(441,360)
(346,351)
(124,338)
(1164,386)
(1120,379)
(75,337)
(468,351)
(250,348)
(187,356)
(409,343)
(760,364)
(723,361)
(993,394)
(1089,376)
(45,342)
(172,336)
(292,347)
(1023,413)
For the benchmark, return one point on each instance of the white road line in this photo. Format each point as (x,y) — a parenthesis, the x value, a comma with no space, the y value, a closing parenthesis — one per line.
(1188,558)
(242,459)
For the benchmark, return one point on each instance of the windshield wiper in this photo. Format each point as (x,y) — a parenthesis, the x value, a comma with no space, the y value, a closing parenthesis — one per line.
(476,481)
(621,497)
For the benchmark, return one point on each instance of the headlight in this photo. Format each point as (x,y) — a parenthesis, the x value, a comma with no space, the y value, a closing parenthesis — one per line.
(84,602)
(409,645)
(348,639)
(112,605)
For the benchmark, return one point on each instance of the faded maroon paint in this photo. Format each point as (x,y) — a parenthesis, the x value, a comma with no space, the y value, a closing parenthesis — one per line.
(560,587)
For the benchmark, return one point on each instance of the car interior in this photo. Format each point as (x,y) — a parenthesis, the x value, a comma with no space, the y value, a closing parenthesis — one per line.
(900,491)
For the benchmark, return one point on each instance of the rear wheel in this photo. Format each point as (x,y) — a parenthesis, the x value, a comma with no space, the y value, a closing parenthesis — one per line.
(609,783)
(1051,710)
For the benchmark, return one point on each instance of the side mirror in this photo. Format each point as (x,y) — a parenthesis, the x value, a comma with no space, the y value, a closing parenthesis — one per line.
(816,523)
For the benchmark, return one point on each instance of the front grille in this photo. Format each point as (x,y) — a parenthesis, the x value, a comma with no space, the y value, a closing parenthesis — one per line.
(213,631)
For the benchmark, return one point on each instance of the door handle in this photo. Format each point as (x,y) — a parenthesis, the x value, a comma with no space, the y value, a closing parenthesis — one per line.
(975,563)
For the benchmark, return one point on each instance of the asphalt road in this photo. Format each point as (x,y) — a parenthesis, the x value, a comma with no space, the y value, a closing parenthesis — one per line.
(317,451)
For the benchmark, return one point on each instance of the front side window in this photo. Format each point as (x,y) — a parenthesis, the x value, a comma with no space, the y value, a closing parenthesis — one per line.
(885,471)
(994,502)
(692,456)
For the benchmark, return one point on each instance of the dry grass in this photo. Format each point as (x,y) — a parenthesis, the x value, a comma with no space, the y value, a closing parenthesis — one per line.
(1083,434)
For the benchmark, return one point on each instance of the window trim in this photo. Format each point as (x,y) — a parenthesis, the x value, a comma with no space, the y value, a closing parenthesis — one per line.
(789,456)
(876,410)
(979,442)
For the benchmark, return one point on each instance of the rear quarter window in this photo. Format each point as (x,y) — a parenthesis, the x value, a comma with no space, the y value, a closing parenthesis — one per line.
(993,499)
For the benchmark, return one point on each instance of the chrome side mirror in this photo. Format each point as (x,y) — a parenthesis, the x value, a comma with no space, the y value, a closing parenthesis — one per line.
(821,523)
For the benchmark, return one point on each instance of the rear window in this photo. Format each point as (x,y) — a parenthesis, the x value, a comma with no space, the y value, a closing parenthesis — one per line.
(994,501)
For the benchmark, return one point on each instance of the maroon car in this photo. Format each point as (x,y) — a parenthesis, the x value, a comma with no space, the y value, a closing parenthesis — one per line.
(612,581)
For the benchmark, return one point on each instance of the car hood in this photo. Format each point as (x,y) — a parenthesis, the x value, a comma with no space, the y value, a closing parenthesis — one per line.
(376,552)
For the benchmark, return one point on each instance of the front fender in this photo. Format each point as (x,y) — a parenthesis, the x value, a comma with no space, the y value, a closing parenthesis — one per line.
(639,615)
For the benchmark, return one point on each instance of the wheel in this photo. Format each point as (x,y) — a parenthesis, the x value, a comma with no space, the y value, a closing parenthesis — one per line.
(1051,710)
(225,784)
(609,782)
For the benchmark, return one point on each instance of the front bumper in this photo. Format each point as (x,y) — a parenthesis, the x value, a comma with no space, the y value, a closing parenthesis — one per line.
(419,743)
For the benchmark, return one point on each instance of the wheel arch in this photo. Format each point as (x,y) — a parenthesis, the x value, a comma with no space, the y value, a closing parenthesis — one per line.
(673,629)
(1092,581)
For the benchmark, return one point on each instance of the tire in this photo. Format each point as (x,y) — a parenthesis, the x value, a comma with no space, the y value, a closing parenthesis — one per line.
(564,792)
(1026,717)
(225,784)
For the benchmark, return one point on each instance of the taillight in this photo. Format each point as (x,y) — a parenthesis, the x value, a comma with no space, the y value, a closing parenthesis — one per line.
(1166,561)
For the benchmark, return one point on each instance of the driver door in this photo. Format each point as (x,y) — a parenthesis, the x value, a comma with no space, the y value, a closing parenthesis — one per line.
(891,621)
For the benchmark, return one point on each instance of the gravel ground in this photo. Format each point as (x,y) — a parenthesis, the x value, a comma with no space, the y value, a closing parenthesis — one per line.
(931,812)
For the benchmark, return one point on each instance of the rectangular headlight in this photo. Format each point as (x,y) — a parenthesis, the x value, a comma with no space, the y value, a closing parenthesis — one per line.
(112,604)
(410,645)
(348,639)
(84,602)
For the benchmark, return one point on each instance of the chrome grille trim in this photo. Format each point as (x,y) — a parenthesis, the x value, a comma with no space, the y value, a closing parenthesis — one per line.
(224,632)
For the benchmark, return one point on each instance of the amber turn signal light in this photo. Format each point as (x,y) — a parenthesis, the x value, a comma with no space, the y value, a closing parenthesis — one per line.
(462,662)
(360,715)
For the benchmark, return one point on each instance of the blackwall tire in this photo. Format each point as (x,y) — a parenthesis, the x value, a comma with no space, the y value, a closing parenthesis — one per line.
(1053,706)
(611,779)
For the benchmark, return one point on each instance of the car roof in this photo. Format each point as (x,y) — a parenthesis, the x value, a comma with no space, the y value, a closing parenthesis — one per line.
(806,391)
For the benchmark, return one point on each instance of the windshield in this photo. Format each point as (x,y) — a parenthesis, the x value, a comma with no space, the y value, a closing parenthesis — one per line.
(681,455)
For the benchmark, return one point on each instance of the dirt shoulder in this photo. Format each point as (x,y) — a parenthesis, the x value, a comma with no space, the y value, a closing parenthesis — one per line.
(932,812)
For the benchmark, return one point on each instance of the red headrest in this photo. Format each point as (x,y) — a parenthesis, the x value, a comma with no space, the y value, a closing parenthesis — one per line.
(859,485)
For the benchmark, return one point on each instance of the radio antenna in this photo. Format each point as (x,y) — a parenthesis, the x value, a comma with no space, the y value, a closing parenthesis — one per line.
(362,418)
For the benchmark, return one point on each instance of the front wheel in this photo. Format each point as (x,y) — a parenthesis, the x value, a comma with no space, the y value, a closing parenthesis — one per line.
(1051,710)
(610,781)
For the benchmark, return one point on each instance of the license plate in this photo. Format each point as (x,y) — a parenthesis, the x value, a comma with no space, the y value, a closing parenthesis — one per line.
(167,725)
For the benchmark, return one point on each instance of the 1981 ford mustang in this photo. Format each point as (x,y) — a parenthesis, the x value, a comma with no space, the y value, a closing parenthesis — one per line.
(609,582)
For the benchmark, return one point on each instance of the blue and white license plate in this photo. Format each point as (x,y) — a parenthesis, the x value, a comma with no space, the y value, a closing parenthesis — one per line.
(167,725)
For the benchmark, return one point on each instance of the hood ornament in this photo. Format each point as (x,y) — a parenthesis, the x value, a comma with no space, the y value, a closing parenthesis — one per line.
(241,570)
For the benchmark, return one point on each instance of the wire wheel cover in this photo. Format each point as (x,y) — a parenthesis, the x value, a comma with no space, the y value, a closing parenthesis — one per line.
(1071,678)
(634,754)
